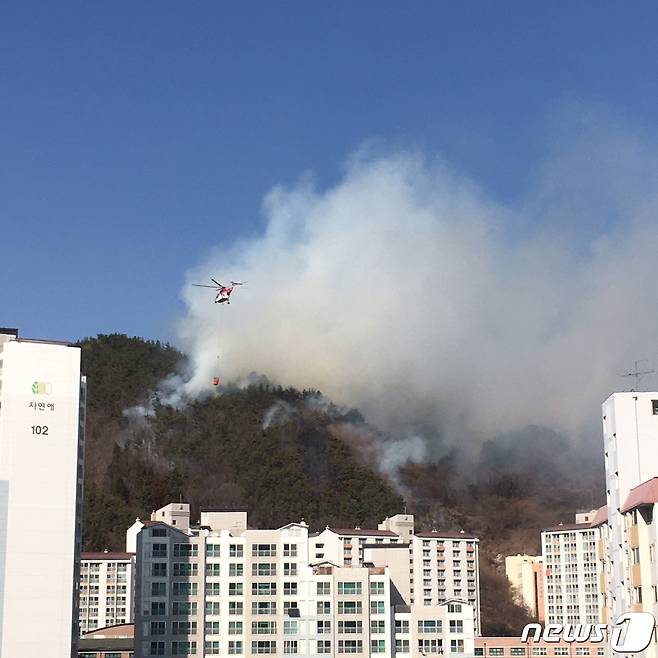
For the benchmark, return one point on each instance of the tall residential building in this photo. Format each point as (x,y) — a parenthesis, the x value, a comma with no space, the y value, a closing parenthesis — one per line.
(573,571)
(106,590)
(42,412)
(526,576)
(630,436)
(224,589)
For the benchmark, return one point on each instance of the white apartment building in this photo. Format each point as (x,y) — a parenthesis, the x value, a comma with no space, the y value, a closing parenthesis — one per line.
(42,413)
(630,436)
(573,572)
(224,589)
(526,576)
(106,589)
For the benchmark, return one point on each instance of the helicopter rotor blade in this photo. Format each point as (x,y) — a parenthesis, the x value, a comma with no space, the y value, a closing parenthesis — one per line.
(221,285)
(200,285)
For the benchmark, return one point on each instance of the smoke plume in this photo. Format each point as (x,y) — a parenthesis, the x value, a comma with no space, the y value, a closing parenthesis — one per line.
(406,291)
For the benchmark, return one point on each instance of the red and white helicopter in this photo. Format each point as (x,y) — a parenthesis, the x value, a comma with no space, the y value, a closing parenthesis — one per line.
(223,292)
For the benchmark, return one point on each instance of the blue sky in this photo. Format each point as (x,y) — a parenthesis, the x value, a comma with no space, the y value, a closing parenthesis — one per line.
(137,136)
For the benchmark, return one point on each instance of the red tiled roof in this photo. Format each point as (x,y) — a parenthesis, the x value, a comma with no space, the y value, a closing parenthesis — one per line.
(600,517)
(445,534)
(105,555)
(644,494)
(366,532)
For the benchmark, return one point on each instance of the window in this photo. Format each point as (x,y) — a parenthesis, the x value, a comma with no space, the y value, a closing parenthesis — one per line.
(185,589)
(235,589)
(157,649)
(186,550)
(323,589)
(159,569)
(235,647)
(349,607)
(263,550)
(159,550)
(212,628)
(517,651)
(654,407)
(430,646)
(401,646)
(236,550)
(263,608)
(184,608)
(456,626)
(157,628)
(263,628)
(582,651)
(324,627)
(402,626)
(212,608)
(235,628)
(212,550)
(262,589)
(212,647)
(186,569)
(350,627)
(212,570)
(456,646)
(376,589)
(290,589)
(324,607)
(376,607)
(263,569)
(350,646)
(158,532)
(377,646)
(183,648)
(495,651)
(377,627)
(290,550)
(289,646)
(158,608)
(263,646)
(324,646)
(212,589)
(235,607)
(158,589)
(289,568)
(236,569)
(290,627)
(479,651)
(183,627)
(561,651)
(454,607)
(539,651)
(429,626)
(349,588)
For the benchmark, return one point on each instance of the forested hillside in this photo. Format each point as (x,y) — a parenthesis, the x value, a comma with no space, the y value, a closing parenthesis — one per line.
(284,454)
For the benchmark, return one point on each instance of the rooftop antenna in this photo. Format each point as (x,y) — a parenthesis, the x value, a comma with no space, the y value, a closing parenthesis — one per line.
(638,374)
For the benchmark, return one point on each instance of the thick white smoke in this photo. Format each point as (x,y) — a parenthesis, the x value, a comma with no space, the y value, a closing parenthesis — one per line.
(405,291)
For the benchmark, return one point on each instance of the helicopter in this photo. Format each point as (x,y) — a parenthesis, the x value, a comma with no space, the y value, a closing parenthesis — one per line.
(223,292)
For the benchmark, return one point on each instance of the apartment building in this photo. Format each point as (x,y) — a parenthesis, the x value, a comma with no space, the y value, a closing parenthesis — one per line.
(512,647)
(526,576)
(42,414)
(225,589)
(106,590)
(573,572)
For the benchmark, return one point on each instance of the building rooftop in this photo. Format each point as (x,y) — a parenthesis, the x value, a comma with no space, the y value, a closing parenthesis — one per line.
(365,532)
(445,534)
(600,517)
(644,494)
(105,555)
(564,527)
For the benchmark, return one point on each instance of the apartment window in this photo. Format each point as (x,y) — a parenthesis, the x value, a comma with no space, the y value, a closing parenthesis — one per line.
(236,550)
(561,651)
(377,646)
(324,627)
(430,646)
(290,550)
(158,589)
(324,607)
(323,589)
(324,646)
(479,651)
(235,628)
(376,607)
(263,569)
(158,628)
(262,589)
(289,646)
(654,407)
(289,568)
(350,646)
(235,589)
(236,569)
(349,607)
(212,608)
(157,649)
(263,628)
(454,607)
(290,627)
(539,651)
(456,626)
(158,532)
(184,608)
(402,626)
(457,646)
(183,648)
(263,608)
(377,627)
(290,589)
(212,550)
(212,647)
(401,646)
(582,651)
(212,628)
(212,570)
(235,607)
(517,651)
(377,589)
(185,589)
(289,604)
(183,627)
(429,626)
(496,651)
(159,569)
(350,627)
(159,550)
(349,588)
(263,550)
(158,608)
(212,589)
(186,569)
(234,647)
(186,550)
(263,646)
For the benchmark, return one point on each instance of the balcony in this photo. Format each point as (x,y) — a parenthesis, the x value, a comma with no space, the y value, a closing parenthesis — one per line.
(636,575)
(634,537)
